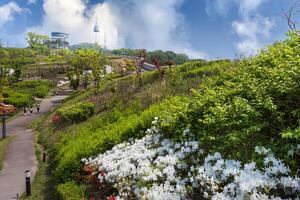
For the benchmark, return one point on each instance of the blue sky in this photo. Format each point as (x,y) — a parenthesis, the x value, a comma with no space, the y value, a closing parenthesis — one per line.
(200,28)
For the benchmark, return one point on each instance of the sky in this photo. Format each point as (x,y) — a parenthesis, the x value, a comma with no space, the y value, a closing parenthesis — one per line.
(209,29)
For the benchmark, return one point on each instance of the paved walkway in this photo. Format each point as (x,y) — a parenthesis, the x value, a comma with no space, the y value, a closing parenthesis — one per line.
(20,155)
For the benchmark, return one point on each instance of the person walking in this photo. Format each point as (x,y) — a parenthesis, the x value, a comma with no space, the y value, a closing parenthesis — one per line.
(38,106)
(31,110)
(25,111)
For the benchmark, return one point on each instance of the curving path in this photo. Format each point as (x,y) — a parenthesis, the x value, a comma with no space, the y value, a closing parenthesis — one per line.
(20,155)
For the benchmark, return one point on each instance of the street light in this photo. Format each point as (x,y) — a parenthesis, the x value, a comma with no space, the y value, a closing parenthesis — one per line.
(3,126)
(27,181)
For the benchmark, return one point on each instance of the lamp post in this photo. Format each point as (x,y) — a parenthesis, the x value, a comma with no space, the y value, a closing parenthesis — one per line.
(4,126)
(27,181)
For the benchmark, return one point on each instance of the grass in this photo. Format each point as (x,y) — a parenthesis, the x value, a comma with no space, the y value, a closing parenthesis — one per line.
(3,146)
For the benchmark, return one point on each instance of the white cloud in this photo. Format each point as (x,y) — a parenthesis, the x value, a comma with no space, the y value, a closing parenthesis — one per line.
(250,27)
(219,6)
(249,30)
(248,6)
(32,1)
(150,24)
(245,7)
(7,12)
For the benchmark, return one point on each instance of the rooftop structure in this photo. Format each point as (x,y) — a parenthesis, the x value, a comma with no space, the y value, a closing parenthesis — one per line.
(59,40)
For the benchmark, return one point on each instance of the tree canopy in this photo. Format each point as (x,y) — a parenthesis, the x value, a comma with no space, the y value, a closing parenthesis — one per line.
(37,42)
(161,56)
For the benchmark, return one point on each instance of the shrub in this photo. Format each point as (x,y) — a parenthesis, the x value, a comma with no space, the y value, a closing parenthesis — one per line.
(124,127)
(71,191)
(41,91)
(17,99)
(76,113)
(36,88)
(142,168)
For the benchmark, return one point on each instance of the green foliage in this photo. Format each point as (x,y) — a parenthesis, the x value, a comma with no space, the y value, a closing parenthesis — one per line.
(86,59)
(86,46)
(161,56)
(13,59)
(108,131)
(254,103)
(77,112)
(239,105)
(22,93)
(36,88)
(17,99)
(125,114)
(38,42)
(71,191)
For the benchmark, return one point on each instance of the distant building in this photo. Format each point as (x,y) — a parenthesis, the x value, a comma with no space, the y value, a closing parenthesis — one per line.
(59,40)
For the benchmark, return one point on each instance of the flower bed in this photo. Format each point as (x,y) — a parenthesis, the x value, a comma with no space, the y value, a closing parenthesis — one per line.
(158,168)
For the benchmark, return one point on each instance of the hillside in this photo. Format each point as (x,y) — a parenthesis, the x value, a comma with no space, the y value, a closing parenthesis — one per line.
(212,130)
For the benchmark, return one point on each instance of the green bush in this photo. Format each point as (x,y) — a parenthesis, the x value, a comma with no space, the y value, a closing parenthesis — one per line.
(255,103)
(17,99)
(71,191)
(109,131)
(36,88)
(77,112)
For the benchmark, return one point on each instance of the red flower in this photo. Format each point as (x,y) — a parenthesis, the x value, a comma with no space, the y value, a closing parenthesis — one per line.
(111,198)
(56,119)
(101,173)
(89,169)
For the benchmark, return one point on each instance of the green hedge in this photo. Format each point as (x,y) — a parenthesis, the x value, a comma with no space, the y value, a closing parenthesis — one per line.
(77,112)
(36,88)
(71,191)
(17,99)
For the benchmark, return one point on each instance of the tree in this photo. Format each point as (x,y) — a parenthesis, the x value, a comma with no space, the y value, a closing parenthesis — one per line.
(170,64)
(87,59)
(160,69)
(139,65)
(37,42)
(57,61)
(16,65)
(98,64)
(3,76)
(290,14)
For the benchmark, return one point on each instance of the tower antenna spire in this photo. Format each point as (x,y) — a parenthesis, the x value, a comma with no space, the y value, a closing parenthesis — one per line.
(105,39)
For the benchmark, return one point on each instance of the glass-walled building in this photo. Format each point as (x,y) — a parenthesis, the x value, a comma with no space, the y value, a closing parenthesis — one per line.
(59,40)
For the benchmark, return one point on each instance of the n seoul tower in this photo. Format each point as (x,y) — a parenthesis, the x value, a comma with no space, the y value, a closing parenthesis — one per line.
(96,30)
